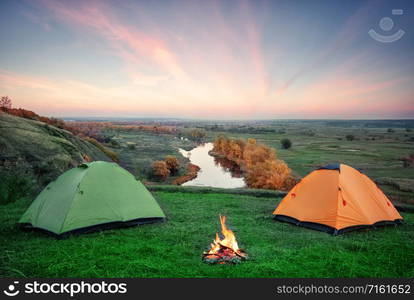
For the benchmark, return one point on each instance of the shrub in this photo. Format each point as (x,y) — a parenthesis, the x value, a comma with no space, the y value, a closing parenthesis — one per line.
(172,163)
(286,143)
(273,174)
(14,184)
(195,134)
(350,137)
(56,122)
(160,169)
(114,143)
(408,161)
(131,147)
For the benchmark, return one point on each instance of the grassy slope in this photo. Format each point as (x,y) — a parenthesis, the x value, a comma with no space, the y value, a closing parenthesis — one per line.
(45,150)
(173,249)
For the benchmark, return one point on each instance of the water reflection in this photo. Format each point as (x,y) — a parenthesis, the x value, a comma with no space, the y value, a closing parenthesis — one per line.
(215,172)
(229,166)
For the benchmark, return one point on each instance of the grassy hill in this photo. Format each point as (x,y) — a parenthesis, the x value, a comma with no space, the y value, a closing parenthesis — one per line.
(33,153)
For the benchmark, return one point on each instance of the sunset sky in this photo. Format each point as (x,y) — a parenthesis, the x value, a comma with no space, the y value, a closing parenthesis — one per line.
(207,59)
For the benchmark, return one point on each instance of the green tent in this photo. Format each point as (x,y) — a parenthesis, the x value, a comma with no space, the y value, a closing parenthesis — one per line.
(92,196)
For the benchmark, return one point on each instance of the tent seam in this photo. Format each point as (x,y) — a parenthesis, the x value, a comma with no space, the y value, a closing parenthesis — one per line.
(339,189)
(73,200)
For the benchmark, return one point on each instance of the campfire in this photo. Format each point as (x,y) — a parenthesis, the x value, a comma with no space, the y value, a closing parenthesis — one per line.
(224,250)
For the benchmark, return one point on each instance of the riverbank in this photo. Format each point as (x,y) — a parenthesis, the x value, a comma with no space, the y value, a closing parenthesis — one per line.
(192,172)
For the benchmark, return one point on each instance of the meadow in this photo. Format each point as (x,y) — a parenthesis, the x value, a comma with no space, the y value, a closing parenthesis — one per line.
(174,248)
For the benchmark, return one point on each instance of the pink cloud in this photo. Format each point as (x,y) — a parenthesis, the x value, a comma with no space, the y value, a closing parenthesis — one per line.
(132,45)
(217,68)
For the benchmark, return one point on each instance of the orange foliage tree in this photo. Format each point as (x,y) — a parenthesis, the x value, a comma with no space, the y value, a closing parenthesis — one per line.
(160,169)
(172,163)
(259,163)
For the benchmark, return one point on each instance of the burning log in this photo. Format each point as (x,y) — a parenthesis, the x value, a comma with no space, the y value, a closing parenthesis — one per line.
(224,250)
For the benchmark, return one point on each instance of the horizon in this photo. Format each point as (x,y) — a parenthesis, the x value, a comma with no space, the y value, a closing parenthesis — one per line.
(132,118)
(208,60)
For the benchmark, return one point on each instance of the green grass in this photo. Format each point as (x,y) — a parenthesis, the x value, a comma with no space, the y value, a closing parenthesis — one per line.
(213,190)
(174,248)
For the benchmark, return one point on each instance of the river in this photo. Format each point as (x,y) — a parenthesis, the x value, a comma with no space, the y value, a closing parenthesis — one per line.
(211,172)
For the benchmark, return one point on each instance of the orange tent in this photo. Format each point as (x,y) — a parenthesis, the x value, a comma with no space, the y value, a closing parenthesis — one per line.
(336,198)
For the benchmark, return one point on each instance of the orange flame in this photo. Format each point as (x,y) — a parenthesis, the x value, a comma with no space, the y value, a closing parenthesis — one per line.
(228,241)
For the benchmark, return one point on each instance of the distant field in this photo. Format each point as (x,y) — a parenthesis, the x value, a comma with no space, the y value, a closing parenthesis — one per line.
(174,248)
(377,148)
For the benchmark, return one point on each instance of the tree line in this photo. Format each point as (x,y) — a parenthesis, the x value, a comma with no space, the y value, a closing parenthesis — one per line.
(258,162)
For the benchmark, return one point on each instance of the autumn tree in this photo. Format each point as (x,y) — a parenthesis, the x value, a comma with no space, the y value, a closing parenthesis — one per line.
(5,103)
(270,174)
(218,144)
(257,153)
(172,163)
(261,167)
(235,151)
(160,169)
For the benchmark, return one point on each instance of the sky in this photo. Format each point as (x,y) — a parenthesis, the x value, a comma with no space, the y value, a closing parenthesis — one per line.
(234,59)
